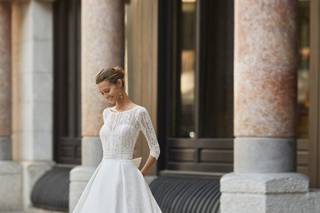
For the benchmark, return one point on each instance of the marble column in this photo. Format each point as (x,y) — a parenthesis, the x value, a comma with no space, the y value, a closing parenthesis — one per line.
(102,43)
(10,171)
(265,87)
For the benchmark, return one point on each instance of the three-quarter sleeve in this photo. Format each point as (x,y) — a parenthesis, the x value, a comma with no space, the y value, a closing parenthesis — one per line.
(148,131)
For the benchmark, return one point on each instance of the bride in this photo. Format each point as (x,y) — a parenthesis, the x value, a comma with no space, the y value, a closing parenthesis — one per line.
(117,185)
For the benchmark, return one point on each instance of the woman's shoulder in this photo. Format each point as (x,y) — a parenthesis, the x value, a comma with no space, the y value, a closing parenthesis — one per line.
(141,109)
(143,113)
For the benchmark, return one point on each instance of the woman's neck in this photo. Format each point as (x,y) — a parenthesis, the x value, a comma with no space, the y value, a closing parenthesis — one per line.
(123,103)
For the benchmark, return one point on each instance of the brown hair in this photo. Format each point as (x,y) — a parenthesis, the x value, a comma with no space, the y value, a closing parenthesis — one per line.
(111,74)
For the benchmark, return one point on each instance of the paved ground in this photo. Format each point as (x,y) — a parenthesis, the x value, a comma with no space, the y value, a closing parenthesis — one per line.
(33,210)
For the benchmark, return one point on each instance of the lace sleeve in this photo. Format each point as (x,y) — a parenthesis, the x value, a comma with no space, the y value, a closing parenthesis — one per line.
(148,131)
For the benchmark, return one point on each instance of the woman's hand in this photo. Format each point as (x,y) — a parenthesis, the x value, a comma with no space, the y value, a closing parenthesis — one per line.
(143,173)
(148,165)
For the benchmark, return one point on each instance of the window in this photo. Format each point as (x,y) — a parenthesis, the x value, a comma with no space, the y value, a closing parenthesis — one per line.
(303,68)
(183,99)
(303,98)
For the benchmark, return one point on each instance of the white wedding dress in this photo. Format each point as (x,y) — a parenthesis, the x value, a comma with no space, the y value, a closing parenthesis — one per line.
(117,185)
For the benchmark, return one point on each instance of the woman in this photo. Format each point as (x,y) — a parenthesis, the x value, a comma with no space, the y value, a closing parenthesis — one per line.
(117,185)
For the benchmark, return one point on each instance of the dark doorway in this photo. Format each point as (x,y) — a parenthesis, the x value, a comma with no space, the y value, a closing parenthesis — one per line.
(196,84)
(67,73)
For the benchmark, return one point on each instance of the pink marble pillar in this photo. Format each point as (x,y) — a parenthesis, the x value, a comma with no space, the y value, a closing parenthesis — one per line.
(102,46)
(5,80)
(265,85)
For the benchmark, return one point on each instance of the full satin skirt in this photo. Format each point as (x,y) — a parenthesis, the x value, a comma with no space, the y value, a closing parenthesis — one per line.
(116,186)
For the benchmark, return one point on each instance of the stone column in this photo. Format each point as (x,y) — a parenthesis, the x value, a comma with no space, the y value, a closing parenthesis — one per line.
(102,43)
(265,85)
(33,89)
(264,109)
(10,171)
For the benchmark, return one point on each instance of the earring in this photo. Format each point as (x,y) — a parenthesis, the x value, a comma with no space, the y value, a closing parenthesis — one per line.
(120,95)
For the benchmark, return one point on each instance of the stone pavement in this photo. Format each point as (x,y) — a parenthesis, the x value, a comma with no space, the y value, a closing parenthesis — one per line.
(32,210)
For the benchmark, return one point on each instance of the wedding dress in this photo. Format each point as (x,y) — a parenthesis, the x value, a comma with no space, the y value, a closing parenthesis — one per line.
(117,185)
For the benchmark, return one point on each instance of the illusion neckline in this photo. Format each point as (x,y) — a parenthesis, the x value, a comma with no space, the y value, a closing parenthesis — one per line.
(116,111)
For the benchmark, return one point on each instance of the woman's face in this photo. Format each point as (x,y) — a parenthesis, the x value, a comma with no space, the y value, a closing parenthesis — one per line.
(109,91)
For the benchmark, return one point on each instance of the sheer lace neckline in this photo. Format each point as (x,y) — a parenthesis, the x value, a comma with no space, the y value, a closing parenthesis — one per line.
(116,111)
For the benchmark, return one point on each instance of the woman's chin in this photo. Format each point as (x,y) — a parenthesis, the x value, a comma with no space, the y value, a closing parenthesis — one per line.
(110,103)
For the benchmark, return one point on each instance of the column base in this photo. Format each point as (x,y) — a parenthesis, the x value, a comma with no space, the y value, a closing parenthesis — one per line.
(10,190)
(32,171)
(264,155)
(268,193)
(79,177)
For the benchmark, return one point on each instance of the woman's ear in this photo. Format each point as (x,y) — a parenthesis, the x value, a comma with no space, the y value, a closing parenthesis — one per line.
(119,83)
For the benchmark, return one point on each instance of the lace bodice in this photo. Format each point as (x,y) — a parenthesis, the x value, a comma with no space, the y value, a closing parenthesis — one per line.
(120,131)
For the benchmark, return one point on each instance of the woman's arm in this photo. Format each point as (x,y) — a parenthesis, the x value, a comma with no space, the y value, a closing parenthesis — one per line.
(149,133)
